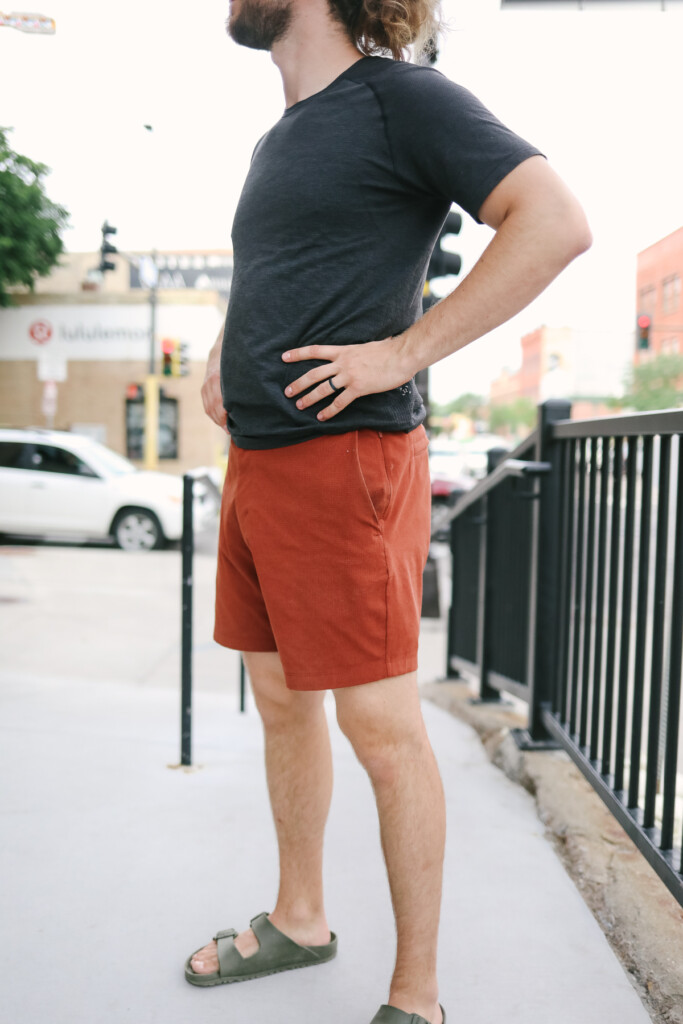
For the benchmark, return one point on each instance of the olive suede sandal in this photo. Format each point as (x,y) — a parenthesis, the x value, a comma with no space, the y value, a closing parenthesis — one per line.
(391,1015)
(276,952)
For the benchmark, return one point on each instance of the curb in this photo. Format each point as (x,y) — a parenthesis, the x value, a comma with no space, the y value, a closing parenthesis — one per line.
(641,920)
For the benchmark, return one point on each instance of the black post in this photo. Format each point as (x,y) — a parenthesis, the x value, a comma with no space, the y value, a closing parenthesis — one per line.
(186,657)
(487,693)
(243,685)
(545,574)
(452,673)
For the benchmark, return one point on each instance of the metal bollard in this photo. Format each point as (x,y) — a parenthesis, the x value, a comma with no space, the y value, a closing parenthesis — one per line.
(186,635)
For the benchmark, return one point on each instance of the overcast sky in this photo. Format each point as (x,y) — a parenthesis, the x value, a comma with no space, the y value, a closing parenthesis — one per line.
(598,91)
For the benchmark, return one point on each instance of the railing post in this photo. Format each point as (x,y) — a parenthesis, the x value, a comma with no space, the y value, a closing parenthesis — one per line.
(452,673)
(487,693)
(545,575)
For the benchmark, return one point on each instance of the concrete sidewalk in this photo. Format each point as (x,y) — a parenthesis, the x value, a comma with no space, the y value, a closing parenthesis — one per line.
(115,867)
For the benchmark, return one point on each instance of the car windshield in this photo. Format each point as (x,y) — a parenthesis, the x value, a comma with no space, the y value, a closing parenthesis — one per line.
(109,461)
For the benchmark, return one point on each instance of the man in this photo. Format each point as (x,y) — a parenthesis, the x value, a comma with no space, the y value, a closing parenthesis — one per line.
(325,517)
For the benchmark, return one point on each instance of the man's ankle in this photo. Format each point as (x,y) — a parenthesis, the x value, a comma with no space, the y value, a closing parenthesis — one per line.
(422,999)
(303,922)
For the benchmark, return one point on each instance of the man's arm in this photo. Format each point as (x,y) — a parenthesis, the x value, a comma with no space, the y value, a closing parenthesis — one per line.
(540,228)
(211,388)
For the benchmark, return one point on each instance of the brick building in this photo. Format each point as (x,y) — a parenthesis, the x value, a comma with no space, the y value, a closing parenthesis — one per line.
(557,362)
(89,339)
(658,286)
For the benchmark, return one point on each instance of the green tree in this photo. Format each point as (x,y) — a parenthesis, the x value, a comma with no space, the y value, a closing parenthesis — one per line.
(30,223)
(512,417)
(655,384)
(468,404)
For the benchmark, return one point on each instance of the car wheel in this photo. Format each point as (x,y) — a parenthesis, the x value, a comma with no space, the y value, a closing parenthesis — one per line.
(137,529)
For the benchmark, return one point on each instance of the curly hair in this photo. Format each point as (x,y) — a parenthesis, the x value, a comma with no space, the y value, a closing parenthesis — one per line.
(390,26)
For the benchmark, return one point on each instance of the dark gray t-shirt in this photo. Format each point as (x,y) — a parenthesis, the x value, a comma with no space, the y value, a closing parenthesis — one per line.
(343,202)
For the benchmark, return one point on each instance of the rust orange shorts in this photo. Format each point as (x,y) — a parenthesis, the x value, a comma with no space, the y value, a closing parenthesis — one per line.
(321,552)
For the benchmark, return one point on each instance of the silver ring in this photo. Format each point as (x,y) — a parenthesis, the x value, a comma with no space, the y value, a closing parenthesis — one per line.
(335,389)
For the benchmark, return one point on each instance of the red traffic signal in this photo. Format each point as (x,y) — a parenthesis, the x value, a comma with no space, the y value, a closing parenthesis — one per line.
(167,346)
(643,325)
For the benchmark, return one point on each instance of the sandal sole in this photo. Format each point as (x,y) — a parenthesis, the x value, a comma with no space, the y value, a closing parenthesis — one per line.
(208,980)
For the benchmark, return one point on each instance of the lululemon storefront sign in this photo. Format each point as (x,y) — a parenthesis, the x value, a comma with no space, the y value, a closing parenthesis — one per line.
(101,332)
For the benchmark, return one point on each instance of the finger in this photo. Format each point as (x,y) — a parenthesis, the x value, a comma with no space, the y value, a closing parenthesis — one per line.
(295,355)
(325,390)
(218,414)
(340,402)
(309,379)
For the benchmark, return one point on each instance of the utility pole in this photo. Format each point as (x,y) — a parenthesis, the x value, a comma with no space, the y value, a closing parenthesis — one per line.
(149,275)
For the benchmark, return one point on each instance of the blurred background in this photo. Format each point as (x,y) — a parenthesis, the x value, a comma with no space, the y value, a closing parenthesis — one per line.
(132,130)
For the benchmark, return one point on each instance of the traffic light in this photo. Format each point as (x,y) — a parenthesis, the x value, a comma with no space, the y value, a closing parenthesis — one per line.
(428,300)
(643,326)
(167,349)
(442,262)
(106,248)
(184,358)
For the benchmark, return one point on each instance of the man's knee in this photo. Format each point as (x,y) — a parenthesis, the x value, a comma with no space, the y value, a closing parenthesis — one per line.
(278,706)
(384,735)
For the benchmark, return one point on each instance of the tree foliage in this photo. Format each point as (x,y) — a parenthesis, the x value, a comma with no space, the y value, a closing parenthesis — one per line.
(30,223)
(655,384)
(512,417)
(468,404)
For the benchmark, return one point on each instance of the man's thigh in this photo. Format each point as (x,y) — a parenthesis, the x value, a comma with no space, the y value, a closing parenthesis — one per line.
(269,687)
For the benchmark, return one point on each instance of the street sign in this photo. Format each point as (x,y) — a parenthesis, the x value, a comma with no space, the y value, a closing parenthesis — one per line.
(49,400)
(36,24)
(148,272)
(51,367)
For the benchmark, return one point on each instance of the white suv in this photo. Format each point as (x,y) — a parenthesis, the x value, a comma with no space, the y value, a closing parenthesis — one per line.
(58,483)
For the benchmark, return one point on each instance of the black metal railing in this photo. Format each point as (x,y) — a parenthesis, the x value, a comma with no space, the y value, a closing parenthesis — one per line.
(568,593)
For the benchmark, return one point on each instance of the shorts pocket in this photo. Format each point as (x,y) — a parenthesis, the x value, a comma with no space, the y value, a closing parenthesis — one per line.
(373,471)
(419,439)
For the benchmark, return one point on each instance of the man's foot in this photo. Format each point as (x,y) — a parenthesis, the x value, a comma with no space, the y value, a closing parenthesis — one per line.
(431,1012)
(205,960)
(390,1014)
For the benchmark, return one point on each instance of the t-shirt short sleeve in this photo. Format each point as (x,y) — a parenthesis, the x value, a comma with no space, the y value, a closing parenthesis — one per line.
(443,140)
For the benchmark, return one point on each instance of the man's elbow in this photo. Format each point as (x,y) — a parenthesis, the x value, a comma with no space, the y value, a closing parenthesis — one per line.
(575,232)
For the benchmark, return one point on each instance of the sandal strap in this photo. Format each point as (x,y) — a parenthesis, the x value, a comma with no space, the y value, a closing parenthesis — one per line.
(225,943)
(273,941)
(392,1015)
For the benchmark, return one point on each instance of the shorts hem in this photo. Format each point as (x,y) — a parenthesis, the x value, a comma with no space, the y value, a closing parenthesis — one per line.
(354,675)
(268,647)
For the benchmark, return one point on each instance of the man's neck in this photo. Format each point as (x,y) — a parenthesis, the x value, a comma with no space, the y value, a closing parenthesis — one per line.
(313,53)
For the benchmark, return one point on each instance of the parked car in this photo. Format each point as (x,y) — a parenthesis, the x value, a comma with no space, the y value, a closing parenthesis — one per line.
(57,483)
(447,471)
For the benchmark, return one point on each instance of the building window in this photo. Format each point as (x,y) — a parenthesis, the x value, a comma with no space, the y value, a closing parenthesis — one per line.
(670,346)
(671,293)
(647,299)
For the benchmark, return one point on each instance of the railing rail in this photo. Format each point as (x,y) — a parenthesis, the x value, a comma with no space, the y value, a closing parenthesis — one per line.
(568,593)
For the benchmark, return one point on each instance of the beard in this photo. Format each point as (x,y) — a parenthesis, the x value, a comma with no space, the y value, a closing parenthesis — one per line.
(260,23)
